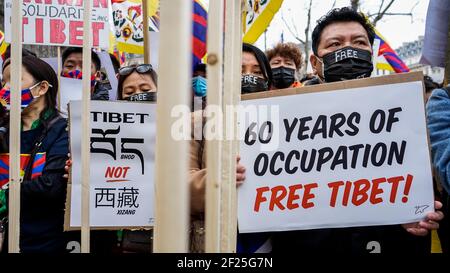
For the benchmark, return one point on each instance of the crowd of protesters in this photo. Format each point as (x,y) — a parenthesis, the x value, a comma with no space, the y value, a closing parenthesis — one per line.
(44,134)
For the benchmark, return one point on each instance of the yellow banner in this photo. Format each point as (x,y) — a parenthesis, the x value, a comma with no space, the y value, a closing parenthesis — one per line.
(256,17)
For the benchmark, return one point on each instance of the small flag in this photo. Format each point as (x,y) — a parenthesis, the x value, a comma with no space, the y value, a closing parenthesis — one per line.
(37,169)
(389,58)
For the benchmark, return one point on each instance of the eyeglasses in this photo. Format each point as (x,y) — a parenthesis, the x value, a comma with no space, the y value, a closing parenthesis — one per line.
(141,69)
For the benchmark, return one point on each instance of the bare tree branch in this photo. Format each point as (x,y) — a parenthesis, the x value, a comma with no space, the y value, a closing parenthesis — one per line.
(334,4)
(382,13)
(354,4)
(296,36)
(308,25)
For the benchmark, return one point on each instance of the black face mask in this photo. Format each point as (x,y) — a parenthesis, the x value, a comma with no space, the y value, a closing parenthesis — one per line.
(347,63)
(253,84)
(146,96)
(283,77)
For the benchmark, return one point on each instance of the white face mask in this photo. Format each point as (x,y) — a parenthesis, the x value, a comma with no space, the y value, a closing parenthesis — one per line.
(320,73)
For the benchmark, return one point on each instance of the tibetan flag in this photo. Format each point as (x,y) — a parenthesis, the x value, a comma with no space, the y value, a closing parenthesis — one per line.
(256,17)
(37,169)
(200,21)
(387,59)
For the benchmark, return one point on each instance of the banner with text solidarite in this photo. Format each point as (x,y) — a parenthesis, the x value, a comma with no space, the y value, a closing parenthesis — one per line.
(60,22)
(356,155)
(122,164)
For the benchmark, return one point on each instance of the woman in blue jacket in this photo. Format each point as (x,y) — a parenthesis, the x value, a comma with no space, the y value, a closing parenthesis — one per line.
(44,147)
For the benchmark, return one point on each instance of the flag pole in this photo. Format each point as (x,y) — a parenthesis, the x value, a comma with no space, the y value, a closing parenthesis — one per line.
(146,32)
(232,59)
(214,145)
(14,129)
(171,157)
(86,128)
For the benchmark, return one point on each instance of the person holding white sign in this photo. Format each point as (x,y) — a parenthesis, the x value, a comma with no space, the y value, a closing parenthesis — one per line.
(342,50)
(44,147)
(137,83)
(72,65)
(256,77)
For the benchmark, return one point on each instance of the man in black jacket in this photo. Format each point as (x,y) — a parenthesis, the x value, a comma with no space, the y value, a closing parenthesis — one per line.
(342,50)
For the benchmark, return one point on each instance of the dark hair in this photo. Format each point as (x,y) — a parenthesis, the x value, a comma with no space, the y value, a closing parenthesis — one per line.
(430,84)
(41,71)
(286,50)
(262,60)
(122,79)
(200,67)
(345,14)
(25,52)
(70,50)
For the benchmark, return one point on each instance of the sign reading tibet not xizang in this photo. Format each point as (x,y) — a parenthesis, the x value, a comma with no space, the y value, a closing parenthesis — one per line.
(122,164)
(60,22)
(356,155)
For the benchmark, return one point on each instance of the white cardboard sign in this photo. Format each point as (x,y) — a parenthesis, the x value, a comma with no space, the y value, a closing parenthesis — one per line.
(122,164)
(352,157)
(60,22)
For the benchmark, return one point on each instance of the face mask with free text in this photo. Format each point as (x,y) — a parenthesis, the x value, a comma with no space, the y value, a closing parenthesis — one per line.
(347,63)
(251,84)
(145,96)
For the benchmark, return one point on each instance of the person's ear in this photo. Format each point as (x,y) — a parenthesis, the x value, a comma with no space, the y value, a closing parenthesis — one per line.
(313,60)
(98,76)
(43,88)
(317,65)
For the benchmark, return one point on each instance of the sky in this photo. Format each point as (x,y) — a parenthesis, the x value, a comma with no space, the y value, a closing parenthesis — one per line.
(396,29)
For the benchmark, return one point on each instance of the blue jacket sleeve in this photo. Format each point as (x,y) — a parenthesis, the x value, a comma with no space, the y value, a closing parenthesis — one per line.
(438,111)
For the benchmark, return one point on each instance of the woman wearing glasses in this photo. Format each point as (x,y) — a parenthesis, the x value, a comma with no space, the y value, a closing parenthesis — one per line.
(137,83)
(44,147)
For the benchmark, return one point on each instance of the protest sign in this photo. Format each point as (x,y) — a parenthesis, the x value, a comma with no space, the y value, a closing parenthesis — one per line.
(122,165)
(356,155)
(60,22)
(70,90)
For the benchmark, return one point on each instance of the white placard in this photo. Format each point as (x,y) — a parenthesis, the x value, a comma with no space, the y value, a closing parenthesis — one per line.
(60,23)
(309,176)
(122,164)
(70,89)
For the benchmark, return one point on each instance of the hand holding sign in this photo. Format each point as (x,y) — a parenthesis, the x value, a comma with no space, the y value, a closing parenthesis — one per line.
(352,157)
(240,172)
(431,223)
